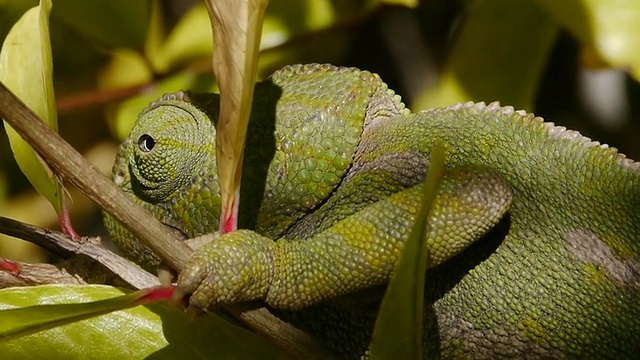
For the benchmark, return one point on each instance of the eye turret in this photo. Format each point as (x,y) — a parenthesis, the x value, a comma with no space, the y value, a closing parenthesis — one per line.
(174,140)
(146,143)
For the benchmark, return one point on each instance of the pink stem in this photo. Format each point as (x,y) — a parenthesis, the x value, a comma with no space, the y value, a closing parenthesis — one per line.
(229,220)
(9,266)
(65,219)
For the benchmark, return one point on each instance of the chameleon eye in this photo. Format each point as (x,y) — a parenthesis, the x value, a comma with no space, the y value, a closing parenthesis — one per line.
(146,143)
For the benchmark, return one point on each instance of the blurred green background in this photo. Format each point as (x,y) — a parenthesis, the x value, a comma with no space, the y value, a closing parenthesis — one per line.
(573,62)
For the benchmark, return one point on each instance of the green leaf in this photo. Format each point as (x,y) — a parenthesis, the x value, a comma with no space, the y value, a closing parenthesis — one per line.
(498,53)
(398,329)
(18,322)
(126,68)
(114,23)
(237,27)
(26,69)
(611,27)
(11,11)
(284,20)
(190,38)
(153,330)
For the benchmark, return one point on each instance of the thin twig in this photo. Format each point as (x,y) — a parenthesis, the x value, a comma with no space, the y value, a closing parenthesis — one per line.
(98,97)
(91,247)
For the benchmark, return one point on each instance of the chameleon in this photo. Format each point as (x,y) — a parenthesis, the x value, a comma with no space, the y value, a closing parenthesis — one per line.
(534,240)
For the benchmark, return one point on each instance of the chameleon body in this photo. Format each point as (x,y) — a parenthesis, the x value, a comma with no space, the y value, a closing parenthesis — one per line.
(535,232)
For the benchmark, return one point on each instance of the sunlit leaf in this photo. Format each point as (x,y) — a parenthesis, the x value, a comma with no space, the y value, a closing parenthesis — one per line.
(611,27)
(26,68)
(126,68)
(398,329)
(114,23)
(237,26)
(11,11)
(156,330)
(498,53)
(284,21)
(190,38)
(22,321)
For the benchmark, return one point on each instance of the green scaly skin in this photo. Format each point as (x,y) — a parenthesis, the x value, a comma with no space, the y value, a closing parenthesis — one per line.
(535,240)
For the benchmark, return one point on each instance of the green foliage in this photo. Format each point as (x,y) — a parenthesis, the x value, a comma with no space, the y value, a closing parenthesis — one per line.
(609,28)
(487,60)
(492,50)
(398,330)
(12,10)
(153,330)
(26,69)
(501,47)
(19,322)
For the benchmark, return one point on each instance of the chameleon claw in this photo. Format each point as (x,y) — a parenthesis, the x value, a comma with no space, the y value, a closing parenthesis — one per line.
(179,298)
(165,276)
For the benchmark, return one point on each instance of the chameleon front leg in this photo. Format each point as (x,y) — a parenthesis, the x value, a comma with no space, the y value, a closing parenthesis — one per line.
(357,252)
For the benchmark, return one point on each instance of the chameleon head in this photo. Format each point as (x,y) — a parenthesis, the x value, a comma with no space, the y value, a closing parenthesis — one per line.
(167,165)
(171,143)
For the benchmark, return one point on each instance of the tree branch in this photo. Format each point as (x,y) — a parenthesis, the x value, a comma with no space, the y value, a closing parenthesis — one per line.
(88,252)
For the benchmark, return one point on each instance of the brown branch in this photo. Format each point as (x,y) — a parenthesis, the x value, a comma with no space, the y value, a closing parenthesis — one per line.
(39,274)
(73,167)
(95,97)
(76,253)
(76,101)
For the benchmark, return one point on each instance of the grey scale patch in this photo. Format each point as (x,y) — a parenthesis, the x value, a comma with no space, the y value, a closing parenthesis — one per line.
(409,167)
(490,343)
(589,248)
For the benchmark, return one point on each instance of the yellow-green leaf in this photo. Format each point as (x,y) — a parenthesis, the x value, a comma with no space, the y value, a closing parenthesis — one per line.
(190,38)
(126,68)
(154,330)
(611,27)
(398,330)
(498,53)
(26,69)
(22,321)
(11,11)
(237,26)
(407,3)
